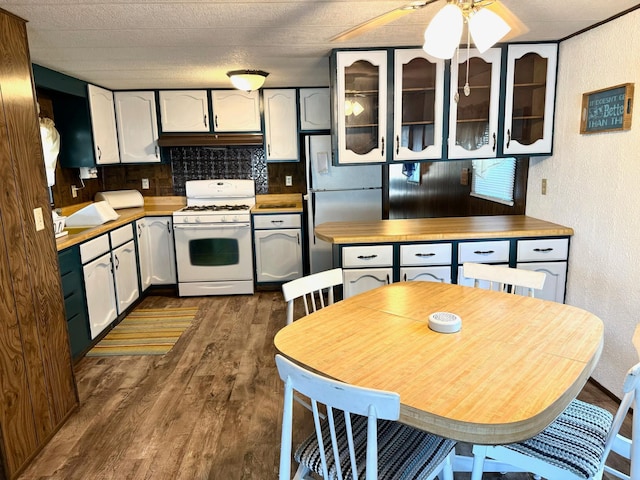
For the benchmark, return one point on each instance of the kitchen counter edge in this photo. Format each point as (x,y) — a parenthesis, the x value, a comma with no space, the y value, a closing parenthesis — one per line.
(442,228)
(127,215)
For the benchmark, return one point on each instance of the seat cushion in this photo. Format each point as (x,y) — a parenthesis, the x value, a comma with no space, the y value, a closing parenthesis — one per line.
(574,441)
(403,452)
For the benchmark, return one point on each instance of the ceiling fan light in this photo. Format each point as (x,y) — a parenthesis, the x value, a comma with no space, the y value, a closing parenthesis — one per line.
(442,36)
(247,80)
(486,28)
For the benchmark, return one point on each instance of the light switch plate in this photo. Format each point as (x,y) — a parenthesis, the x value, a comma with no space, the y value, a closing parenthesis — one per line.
(145,184)
(37,216)
(288,180)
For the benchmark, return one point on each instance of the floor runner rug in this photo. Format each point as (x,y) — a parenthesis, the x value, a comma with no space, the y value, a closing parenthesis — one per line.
(145,331)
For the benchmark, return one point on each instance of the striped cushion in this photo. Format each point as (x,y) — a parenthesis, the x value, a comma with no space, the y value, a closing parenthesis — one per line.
(403,452)
(574,441)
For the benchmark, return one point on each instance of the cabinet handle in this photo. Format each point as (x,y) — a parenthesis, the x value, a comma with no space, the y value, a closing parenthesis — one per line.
(215,120)
(382,146)
(508,137)
(157,152)
(366,257)
(298,236)
(168,226)
(397,145)
(205,120)
(405,277)
(99,152)
(484,252)
(425,254)
(387,279)
(269,149)
(139,231)
(494,141)
(277,222)
(117,261)
(543,250)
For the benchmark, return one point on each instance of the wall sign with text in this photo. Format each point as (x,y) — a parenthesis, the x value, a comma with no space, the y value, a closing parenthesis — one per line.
(607,109)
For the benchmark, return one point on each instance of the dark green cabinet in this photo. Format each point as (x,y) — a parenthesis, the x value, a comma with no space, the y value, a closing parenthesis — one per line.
(74,300)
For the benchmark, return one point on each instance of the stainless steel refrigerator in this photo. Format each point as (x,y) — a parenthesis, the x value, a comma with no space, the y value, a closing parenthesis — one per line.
(337,194)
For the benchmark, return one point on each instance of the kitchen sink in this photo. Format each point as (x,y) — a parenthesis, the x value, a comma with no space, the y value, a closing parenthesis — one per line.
(277,205)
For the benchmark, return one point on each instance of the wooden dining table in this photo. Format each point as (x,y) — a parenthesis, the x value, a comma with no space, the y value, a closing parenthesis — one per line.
(513,367)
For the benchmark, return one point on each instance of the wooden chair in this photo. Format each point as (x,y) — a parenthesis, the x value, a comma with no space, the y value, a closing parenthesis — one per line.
(505,279)
(576,445)
(359,437)
(311,288)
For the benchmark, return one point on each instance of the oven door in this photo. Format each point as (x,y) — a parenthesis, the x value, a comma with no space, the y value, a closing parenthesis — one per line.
(213,252)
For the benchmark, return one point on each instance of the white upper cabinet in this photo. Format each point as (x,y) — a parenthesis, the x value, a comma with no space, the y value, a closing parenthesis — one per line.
(474,106)
(418,105)
(530,98)
(361,106)
(236,111)
(280,125)
(137,124)
(315,109)
(184,110)
(103,125)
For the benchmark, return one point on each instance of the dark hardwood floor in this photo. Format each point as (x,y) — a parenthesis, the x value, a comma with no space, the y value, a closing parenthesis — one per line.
(209,409)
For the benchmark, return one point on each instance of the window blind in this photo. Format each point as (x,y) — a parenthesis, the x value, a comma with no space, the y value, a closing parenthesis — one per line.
(493,179)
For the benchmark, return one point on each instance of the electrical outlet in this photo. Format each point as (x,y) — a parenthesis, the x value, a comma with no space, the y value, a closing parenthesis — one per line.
(544,186)
(288,181)
(74,191)
(37,216)
(145,184)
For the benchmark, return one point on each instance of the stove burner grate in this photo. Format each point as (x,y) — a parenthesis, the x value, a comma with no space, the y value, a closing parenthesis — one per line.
(215,208)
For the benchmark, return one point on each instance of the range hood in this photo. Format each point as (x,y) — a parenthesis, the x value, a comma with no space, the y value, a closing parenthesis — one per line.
(210,140)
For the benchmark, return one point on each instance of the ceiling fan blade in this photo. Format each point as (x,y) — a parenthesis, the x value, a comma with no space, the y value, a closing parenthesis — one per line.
(381,20)
(517,26)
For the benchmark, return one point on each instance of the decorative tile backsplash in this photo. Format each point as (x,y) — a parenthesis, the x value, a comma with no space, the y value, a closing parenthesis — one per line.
(201,163)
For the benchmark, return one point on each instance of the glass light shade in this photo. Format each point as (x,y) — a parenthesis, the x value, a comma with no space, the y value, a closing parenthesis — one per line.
(247,80)
(442,36)
(486,28)
(357,108)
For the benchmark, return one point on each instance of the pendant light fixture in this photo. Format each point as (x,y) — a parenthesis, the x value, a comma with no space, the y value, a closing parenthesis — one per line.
(442,36)
(247,80)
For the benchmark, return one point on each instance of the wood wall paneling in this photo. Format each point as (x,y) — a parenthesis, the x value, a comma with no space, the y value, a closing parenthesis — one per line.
(39,365)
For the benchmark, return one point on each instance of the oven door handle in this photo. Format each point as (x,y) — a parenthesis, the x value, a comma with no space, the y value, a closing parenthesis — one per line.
(209,226)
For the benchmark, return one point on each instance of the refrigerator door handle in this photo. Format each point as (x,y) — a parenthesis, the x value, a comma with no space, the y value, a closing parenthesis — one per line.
(313,215)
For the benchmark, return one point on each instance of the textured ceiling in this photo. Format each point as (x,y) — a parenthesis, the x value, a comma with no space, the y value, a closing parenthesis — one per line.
(190,44)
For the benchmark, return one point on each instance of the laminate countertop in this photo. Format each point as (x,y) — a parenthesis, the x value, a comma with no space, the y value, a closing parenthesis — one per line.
(434,229)
(153,206)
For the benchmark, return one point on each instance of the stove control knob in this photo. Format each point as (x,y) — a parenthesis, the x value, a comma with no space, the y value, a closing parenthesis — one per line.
(197,219)
(185,219)
(235,218)
(223,219)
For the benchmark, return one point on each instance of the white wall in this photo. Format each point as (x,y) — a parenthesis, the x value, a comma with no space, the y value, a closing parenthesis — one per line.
(594,187)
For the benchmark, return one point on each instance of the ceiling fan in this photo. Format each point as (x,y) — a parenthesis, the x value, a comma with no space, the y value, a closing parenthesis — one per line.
(466,6)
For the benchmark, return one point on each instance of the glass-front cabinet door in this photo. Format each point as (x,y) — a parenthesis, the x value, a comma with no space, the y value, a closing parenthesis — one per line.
(474,102)
(361,106)
(418,101)
(529,100)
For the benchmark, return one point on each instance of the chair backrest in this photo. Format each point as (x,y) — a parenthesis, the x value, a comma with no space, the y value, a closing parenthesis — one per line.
(626,447)
(338,399)
(505,279)
(311,288)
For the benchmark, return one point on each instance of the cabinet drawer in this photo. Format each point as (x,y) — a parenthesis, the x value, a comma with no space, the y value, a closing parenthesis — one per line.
(543,249)
(369,256)
(276,221)
(484,252)
(425,254)
(94,248)
(121,235)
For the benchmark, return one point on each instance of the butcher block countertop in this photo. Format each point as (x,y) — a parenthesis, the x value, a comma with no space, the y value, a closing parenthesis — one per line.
(153,206)
(278,203)
(433,229)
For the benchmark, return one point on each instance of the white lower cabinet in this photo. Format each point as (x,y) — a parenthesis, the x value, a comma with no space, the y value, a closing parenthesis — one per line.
(125,266)
(278,247)
(554,283)
(98,283)
(425,274)
(161,250)
(359,280)
(144,254)
(366,267)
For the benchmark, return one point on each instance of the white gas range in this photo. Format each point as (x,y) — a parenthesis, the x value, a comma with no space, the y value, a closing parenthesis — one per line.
(213,238)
